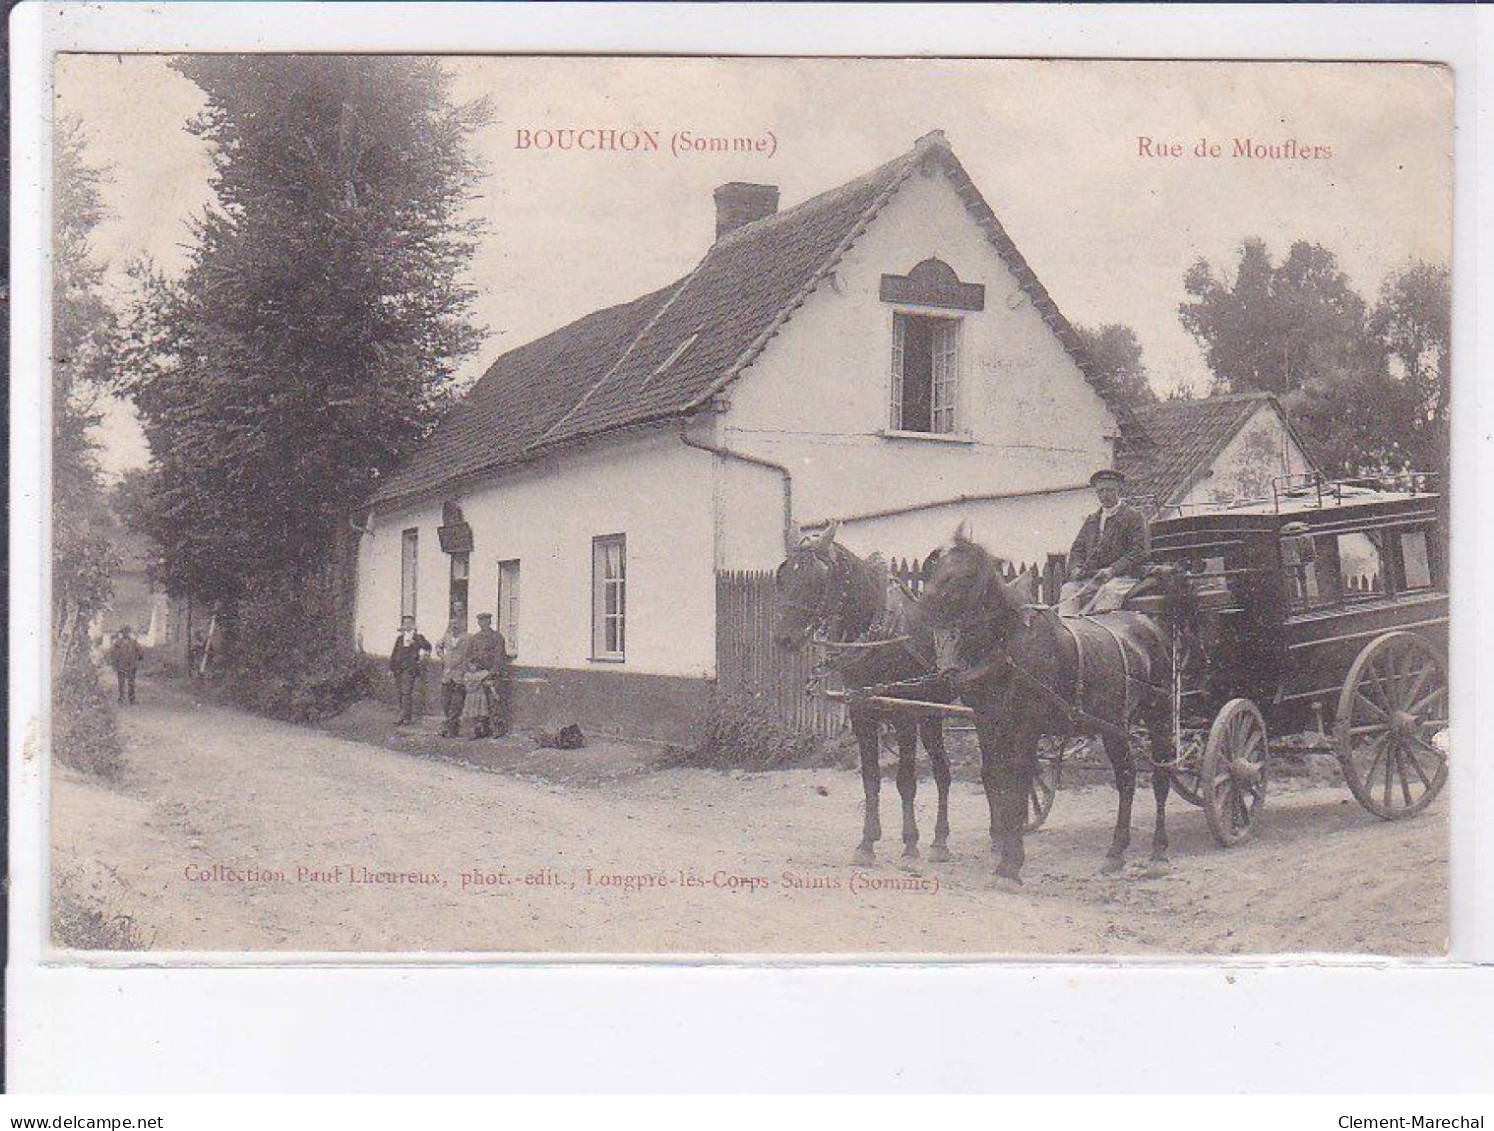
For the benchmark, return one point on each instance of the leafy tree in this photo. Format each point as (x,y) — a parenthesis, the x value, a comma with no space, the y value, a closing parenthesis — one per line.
(83,345)
(1116,354)
(1277,327)
(1413,323)
(1354,423)
(312,336)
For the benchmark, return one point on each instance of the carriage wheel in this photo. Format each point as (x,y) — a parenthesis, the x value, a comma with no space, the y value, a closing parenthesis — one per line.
(1233,782)
(1187,775)
(1044,783)
(1391,728)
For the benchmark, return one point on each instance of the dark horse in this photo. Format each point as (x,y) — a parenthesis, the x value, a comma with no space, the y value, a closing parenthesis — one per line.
(870,641)
(1028,673)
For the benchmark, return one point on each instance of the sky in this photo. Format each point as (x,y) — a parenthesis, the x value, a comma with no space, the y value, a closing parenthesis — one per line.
(1108,221)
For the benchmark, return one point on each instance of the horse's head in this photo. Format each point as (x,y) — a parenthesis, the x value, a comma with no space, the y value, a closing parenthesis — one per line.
(806,589)
(963,588)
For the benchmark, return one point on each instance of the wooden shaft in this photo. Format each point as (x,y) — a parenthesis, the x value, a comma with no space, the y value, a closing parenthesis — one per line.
(912,706)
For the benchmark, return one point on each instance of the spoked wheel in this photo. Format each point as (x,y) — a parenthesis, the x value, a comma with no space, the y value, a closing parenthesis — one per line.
(1187,775)
(1391,728)
(1233,782)
(1045,782)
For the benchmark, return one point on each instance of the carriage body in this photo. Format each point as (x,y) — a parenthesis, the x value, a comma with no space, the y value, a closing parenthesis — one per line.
(1324,614)
(1292,589)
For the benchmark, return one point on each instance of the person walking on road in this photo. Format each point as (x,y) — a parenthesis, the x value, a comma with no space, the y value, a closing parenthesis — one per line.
(124,658)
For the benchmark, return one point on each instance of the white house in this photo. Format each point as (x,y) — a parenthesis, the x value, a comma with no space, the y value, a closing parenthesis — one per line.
(880,354)
(1219,449)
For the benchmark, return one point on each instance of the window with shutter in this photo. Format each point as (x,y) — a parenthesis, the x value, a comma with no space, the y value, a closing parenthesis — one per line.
(925,379)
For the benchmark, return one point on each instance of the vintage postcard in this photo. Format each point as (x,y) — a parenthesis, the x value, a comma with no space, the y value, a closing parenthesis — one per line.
(643,506)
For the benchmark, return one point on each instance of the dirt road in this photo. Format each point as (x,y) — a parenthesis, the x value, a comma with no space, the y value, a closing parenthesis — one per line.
(231,832)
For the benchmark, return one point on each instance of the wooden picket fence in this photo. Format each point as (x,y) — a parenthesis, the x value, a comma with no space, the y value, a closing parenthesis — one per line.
(750,668)
(1050,575)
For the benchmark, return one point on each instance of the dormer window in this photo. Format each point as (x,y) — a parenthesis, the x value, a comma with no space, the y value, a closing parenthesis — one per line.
(925,374)
(925,385)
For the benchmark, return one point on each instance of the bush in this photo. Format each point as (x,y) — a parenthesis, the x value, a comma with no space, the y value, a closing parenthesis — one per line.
(84,922)
(741,734)
(85,729)
(287,658)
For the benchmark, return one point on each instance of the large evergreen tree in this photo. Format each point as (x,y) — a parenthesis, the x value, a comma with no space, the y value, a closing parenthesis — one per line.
(319,320)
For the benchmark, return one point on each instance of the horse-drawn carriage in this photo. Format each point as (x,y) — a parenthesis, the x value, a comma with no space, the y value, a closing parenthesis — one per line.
(1314,620)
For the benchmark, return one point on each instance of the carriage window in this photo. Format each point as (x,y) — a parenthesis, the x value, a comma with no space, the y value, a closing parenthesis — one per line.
(1360,570)
(1416,564)
(925,373)
(1211,577)
(1299,562)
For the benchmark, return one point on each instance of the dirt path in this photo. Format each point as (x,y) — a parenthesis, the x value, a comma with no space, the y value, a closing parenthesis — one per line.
(291,818)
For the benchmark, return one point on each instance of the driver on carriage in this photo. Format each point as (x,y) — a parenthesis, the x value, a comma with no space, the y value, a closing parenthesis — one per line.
(1109,555)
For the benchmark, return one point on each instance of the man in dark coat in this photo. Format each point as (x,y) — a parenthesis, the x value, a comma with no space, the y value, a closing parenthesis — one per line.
(1110,553)
(406,662)
(124,658)
(487,670)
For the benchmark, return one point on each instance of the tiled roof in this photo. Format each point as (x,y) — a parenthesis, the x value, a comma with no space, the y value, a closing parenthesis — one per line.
(666,354)
(1186,436)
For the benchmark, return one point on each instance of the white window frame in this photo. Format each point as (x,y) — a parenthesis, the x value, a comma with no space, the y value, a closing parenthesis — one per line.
(944,374)
(510,578)
(409,571)
(609,599)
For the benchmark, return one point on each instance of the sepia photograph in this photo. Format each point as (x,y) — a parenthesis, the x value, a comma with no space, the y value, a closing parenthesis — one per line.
(655,507)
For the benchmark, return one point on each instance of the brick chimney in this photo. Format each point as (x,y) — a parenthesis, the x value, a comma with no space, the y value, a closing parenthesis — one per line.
(739,203)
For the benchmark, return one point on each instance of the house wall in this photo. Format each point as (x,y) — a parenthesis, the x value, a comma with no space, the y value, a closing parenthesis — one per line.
(650,488)
(1260,451)
(817,401)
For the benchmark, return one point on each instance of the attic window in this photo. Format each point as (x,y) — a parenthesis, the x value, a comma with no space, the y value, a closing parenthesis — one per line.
(679,352)
(925,374)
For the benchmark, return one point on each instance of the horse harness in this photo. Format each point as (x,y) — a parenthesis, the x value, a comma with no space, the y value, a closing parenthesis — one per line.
(1074,711)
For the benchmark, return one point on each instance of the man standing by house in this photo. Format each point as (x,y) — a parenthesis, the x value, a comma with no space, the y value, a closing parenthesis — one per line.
(487,663)
(406,662)
(124,658)
(453,652)
(1111,551)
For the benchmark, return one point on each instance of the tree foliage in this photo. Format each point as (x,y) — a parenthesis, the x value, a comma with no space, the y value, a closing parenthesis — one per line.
(1368,388)
(1277,327)
(1116,355)
(321,315)
(84,341)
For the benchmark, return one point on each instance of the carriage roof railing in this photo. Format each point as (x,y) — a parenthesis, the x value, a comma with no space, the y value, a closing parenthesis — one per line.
(1305,491)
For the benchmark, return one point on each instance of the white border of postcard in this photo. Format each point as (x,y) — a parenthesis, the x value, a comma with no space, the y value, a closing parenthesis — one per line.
(450,1023)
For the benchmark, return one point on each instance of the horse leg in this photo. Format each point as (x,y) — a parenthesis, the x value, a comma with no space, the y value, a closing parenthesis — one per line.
(907,782)
(1164,753)
(985,733)
(1119,751)
(1006,792)
(1015,772)
(865,725)
(931,730)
